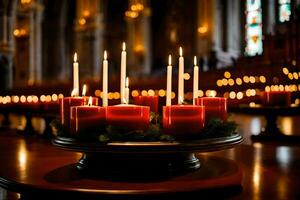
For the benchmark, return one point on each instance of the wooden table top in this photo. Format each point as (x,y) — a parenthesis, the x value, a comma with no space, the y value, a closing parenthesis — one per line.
(270,172)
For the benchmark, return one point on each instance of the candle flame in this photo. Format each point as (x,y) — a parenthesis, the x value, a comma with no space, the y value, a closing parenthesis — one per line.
(75,57)
(124,101)
(127,82)
(170,59)
(84,90)
(105,55)
(90,102)
(180,99)
(195,60)
(124,46)
(74,92)
(180,51)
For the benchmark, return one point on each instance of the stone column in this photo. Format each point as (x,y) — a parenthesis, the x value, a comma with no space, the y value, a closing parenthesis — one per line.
(31,74)
(38,43)
(271,17)
(234,31)
(147,42)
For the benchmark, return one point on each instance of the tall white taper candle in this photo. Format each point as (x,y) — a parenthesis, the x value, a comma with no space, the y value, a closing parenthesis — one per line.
(180,78)
(196,80)
(169,81)
(76,75)
(123,73)
(127,90)
(105,80)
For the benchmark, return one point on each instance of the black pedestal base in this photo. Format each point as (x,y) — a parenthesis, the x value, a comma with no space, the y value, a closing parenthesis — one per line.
(137,164)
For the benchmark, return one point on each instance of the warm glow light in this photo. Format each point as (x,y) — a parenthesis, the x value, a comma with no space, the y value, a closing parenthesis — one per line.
(195,60)
(180,51)
(35,99)
(252,79)
(295,74)
(200,93)
(252,92)
(188,96)
(48,98)
(281,88)
(117,95)
(97,93)
(74,92)
(22,156)
(25,1)
(226,95)
(16,99)
(110,95)
(219,83)
(105,55)
(135,93)
(290,75)
(231,82)
(82,21)
(29,99)
(161,93)
(239,95)
(8,99)
(211,93)
(60,96)
(239,81)
(75,57)
(252,104)
(227,74)
(84,90)
(54,97)
(144,93)
(202,29)
(173,95)
(124,46)
(285,71)
(224,81)
(267,88)
(23,99)
(86,13)
(16,32)
(294,62)
(246,79)
(232,95)
(90,102)
(297,101)
(248,93)
(262,79)
(186,76)
(151,92)
(170,60)
(131,14)
(139,6)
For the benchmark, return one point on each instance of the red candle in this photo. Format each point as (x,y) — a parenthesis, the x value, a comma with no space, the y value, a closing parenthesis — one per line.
(277,98)
(151,101)
(215,107)
(183,120)
(130,117)
(65,105)
(87,118)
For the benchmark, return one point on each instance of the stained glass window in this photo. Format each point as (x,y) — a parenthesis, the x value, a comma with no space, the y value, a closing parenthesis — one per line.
(284,10)
(254,45)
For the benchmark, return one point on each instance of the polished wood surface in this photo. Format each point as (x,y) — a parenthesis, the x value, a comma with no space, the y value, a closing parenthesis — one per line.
(270,172)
